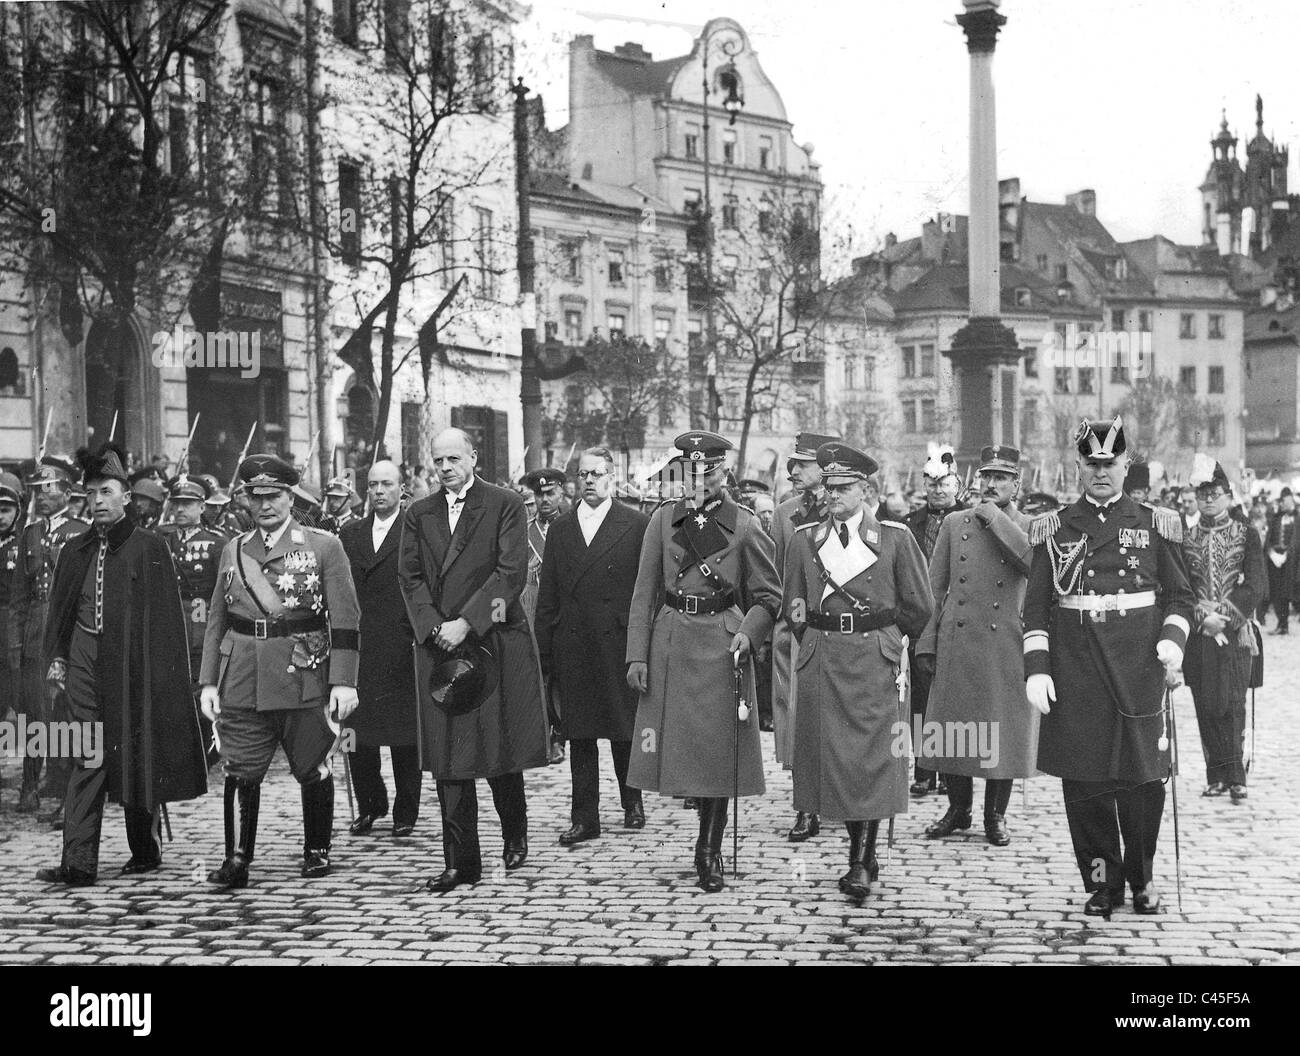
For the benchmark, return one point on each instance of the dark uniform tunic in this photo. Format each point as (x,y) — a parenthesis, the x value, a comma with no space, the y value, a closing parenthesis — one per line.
(1226,564)
(798,513)
(1105,585)
(10,644)
(196,553)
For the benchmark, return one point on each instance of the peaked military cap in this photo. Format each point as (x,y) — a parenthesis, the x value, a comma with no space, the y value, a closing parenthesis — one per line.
(543,478)
(750,484)
(184,487)
(702,449)
(264,473)
(55,468)
(806,445)
(999,458)
(1100,440)
(842,464)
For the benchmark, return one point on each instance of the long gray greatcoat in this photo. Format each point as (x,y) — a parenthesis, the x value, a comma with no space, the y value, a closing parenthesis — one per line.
(977,574)
(850,749)
(477,573)
(682,744)
(797,514)
(582,617)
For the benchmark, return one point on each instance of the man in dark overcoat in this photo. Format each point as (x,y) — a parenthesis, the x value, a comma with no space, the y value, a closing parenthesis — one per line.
(1283,538)
(588,575)
(1107,611)
(706,595)
(463,560)
(117,646)
(385,713)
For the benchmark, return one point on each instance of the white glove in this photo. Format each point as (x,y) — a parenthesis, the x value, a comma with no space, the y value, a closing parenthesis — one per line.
(1172,657)
(1040,689)
(210,703)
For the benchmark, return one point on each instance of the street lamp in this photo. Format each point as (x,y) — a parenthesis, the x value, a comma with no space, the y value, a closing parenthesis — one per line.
(732,104)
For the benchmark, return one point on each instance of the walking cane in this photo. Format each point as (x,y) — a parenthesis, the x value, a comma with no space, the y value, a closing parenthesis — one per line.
(167,822)
(347,774)
(742,715)
(1251,761)
(1171,742)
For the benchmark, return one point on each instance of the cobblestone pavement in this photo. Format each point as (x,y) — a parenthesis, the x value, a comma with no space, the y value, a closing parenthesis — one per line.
(629,897)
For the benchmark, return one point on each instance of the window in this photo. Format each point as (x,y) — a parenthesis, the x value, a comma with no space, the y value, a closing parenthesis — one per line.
(1187,325)
(1216,327)
(1028,422)
(616,262)
(1144,321)
(909,416)
(480,65)
(1063,381)
(487,286)
(1023,297)
(1215,381)
(616,323)
(694,336)
(663,274)
(397,213)
(692,203)
(345,21)
(1117,319)
(850,372)
(575,402)
(397,29)
(1086,381)
(765,218)
(692,141)
(731,212)
(1062,273)
(445,232)
(571,253)
(572,326)
(271,191)
(927,416)
(869,382)
(663,329)
(909,361)
(729,146)
(411,432)
(927,361)
(1187,379)
(1031,362)
(350,211)
(764,152)
(1214,428)
(1040,262)
(551,331)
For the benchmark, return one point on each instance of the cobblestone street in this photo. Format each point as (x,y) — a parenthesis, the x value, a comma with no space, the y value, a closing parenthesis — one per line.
(629,897)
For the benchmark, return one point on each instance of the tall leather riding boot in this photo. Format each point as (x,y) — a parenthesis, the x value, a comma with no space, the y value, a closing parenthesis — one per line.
(317,827)
(715,810)
(242,801)
(29,798)
(856,883)
(869,849)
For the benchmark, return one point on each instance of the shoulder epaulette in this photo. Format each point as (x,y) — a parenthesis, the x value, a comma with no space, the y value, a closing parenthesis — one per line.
(1043,527)
(1168,522)
(896,524)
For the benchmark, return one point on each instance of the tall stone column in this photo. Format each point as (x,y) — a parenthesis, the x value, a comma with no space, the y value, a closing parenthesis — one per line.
(984,353)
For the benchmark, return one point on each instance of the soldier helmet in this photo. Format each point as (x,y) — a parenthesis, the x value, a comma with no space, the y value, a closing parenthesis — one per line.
(339,487)
(217,497)
(149,488)
(11,489)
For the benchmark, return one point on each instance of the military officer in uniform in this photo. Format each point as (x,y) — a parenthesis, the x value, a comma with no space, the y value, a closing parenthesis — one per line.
(11,519)
(147,499)
(854,586)
(803,510)
(38,553)
(338,510)
(1225,562)
(547,486)
(706,595)
(279,665)
(196,552)
(1107,614)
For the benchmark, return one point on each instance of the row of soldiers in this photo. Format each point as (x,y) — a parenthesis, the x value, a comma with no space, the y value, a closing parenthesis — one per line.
(647,630)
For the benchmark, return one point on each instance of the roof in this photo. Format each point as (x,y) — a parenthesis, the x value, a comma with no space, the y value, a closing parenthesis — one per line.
(637,76)
(946,287)
(1087,232)
(1268,324)
(859,293)
(592,192)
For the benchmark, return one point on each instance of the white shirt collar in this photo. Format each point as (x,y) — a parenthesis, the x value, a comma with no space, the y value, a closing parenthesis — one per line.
(853,522)
(275,535)
(598,511)
(453,497)
(1108,503)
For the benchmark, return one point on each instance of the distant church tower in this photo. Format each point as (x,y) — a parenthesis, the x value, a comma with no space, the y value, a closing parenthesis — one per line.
(1246,211)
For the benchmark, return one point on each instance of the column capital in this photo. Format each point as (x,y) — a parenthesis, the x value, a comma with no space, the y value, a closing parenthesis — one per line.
(981,21)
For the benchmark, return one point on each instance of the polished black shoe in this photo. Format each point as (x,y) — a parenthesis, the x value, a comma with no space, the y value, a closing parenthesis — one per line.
(516,852)
(1238,793)
(765,725)
(1217,788)
(29,801)
(805,827)
(1146,900)
(579,833)
(316,863)
(995,830)
(920,788)
(233,872)
(1101,903)
(64,874)
(135,866)
(364,823)
(404,829)
(634,817)
(952,821)
(449,879)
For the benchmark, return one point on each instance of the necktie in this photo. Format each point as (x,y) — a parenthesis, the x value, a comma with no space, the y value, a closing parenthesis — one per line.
(844,535)
(266,541)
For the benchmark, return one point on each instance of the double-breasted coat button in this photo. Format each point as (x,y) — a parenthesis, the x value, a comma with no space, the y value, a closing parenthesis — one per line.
(964,536)
(993,626)
(965,520)
(997,605)
(961,579)
(999,582)
(961,623)
(961,601)
(963,557)
(1092,572)
(1122,572)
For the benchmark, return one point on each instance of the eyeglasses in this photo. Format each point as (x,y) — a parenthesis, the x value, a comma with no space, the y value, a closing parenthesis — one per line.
(1210,496)
(592,474)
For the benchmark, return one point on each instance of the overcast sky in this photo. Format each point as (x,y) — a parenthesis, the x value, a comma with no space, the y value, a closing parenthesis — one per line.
(1121,96)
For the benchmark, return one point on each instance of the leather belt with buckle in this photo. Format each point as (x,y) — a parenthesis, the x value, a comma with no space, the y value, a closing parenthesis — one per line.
(277,628)
(699,605)
(852,622)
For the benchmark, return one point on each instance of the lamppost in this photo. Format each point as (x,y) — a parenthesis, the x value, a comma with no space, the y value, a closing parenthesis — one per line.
(732,104)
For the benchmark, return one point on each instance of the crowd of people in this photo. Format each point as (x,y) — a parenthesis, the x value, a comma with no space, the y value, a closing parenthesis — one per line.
(895,644)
